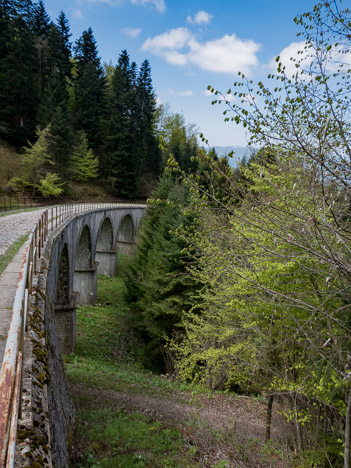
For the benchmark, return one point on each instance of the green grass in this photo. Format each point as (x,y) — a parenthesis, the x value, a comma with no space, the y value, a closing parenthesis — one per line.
(6,258)
(107,349)
(121,439)
(106,358)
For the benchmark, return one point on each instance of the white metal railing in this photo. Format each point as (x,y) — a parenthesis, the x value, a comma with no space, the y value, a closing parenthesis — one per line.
(11,371)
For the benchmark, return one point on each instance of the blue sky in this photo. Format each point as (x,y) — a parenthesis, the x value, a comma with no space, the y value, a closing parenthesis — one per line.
(191,44)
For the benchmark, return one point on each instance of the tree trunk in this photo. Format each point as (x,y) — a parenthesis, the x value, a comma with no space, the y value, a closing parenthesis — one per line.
(269,417)
(347,462)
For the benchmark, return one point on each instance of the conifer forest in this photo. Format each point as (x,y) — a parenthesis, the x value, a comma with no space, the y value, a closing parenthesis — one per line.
(241,279)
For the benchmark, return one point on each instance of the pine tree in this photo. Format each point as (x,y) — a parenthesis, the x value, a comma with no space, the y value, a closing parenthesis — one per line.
(150,154)
(121,152)
(54,111)
(41,25)
(84,165)
(89,87)
(59,47)
(41,20)
(18,92)
(157,287)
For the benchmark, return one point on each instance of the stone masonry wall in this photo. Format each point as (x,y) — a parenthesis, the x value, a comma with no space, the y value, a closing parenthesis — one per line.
(46,425)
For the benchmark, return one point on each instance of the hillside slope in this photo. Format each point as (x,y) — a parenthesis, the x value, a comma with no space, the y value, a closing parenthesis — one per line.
(9,164)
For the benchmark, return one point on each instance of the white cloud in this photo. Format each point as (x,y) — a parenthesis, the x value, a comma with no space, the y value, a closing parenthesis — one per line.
(229,97)
(131,32)
(181,93)
(295,52)
(228,54)
(78,14)
(168,41)
(159,5)
(201,17)
(175,58)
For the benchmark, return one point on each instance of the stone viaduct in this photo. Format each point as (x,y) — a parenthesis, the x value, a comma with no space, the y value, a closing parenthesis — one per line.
(74,253)
(79,249)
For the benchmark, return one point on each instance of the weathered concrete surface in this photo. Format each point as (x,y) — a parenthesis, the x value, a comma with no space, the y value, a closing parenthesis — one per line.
(8,284)
(85,284)
(107,260)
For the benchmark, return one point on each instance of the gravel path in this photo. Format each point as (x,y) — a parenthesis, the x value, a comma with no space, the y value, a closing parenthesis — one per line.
(16,225)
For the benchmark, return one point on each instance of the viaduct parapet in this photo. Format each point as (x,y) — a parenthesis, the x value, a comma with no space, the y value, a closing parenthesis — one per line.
(79,248)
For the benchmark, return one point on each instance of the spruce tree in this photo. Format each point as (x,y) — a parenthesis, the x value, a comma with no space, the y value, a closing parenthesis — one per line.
(83,165)
(121,153)
(41,25)
(157,287)
(41,20)
(54,111)
(18,92)
(59,47)
(89,87)
(150,154)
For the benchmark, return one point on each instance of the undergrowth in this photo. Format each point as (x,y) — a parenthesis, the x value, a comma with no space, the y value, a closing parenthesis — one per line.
(105,358)
(107,380)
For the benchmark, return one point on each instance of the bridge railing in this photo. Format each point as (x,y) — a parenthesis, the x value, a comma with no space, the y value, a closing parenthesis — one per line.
(12,203)
(11,371)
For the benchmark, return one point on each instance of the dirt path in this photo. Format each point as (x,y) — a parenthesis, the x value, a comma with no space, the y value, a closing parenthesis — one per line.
(239,420)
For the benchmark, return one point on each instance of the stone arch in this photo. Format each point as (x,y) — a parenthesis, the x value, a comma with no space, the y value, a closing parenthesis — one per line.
(105,236)
(126,235)
(65,310)
(85,281)
(106,255)
(126,231)
(83,254)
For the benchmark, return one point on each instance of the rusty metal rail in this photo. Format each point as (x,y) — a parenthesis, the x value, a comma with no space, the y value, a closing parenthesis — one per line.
(11,371)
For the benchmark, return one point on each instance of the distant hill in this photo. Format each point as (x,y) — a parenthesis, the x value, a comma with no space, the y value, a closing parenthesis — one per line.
(239,153)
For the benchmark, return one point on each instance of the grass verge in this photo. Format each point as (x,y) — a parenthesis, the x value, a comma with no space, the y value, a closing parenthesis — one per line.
(6,258)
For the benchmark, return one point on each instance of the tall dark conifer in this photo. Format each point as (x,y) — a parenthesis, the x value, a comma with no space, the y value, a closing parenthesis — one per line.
(41,26)
(18,93)
(41,20)
(64,45)
(59,48)
(157,286)
(150,155)
(54,111)
(89,87)
(121,153)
